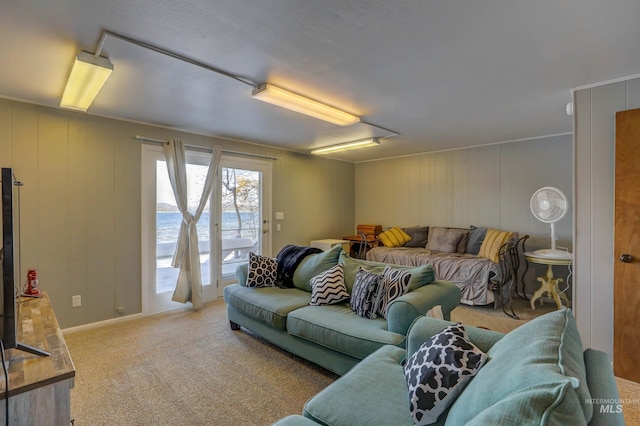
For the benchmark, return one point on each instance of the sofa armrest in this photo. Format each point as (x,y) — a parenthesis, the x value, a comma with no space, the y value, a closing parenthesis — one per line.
(423,328)
(603,389)
(405,309)
(241,273)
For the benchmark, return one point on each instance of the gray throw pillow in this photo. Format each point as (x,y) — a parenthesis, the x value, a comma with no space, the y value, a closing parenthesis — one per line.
(418,235)
(476,237)
(445,240)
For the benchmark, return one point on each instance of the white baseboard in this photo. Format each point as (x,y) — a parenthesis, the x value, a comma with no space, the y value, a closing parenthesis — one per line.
(101,323)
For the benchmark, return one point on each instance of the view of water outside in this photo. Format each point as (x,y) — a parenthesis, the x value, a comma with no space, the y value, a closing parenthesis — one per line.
(240,227)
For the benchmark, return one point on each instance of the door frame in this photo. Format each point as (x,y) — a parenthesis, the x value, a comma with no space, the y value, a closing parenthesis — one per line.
(150,302)
(247,163)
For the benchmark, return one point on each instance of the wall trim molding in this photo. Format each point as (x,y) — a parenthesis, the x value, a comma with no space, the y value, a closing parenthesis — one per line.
(604,83)
(532,138)
(108,322)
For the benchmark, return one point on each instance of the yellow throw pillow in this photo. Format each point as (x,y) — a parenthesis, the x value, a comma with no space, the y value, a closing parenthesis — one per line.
(492,243)
(394,237)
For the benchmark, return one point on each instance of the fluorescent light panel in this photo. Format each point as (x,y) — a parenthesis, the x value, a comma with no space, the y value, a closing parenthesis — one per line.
(346,146)
(88,75)
(283,98)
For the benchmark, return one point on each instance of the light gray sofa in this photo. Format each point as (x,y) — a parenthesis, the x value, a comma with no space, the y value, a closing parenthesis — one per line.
(536,375)
(333,336)
(453,254)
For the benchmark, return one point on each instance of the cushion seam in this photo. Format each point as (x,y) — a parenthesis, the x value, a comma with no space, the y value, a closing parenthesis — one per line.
(238,298)
(341,333)
(556,402)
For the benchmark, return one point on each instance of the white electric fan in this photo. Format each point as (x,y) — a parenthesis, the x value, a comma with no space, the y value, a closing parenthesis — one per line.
(549,205)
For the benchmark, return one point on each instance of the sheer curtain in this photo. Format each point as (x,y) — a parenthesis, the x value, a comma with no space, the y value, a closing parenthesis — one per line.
(187,255)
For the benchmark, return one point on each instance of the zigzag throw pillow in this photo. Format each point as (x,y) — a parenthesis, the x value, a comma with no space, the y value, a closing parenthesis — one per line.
(262,271)
(438,371)
(328,288)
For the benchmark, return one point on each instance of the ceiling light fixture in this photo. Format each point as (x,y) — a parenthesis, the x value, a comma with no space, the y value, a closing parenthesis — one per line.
(346,146)
(275,95)
(88,75)
(90,71)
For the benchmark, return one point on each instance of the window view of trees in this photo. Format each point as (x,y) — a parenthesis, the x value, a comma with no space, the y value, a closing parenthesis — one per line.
(240,203)
(240,226)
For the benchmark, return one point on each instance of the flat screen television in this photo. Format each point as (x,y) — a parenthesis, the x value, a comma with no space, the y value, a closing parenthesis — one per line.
(10,271)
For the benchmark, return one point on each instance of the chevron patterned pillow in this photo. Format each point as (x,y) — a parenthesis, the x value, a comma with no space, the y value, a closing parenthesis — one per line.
(328,288)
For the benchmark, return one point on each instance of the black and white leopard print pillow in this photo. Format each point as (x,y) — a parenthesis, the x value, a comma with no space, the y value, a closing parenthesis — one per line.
(439,370)
(262,271)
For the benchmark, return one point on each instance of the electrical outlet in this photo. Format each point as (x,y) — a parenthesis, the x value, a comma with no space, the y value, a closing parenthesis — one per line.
(76,301)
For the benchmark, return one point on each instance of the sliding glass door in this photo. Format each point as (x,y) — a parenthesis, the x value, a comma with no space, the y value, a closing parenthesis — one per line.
(161,222)
(238,224)
(244,224)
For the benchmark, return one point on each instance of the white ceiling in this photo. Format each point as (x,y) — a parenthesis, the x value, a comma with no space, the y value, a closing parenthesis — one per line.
(443,74)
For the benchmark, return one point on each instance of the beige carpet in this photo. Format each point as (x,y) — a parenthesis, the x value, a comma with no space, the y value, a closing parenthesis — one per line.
(185,368)
(495,319)
(189,368)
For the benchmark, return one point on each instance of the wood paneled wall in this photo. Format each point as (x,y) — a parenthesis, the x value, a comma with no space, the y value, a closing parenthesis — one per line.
(595,110)
(483,186)
(80,203)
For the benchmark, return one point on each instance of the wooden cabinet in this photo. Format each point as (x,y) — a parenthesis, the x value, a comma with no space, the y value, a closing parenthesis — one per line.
(39,386)
(366,238)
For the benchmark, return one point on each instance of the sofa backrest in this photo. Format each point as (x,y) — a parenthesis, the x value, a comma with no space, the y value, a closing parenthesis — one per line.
(537,371)
(420,275)
(314,264)
(424,327)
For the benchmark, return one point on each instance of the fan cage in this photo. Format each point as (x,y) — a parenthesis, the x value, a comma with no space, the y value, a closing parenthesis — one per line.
(548,204)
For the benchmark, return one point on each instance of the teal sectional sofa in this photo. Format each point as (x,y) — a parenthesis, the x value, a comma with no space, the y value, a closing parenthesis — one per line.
(536,375)
(333,336)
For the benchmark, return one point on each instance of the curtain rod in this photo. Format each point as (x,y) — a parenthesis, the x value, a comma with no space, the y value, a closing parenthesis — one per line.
(203,149)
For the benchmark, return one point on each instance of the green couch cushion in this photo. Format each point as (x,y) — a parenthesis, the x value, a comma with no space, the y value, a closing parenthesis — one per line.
(551,401)
(295,420)
(339,328)
(314,264)
(604,390)
(546,379)
(420,275)
(270,305)
(374,392)
(425,327)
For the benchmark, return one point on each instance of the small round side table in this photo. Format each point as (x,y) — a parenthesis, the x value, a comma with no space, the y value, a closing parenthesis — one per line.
(549,284)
